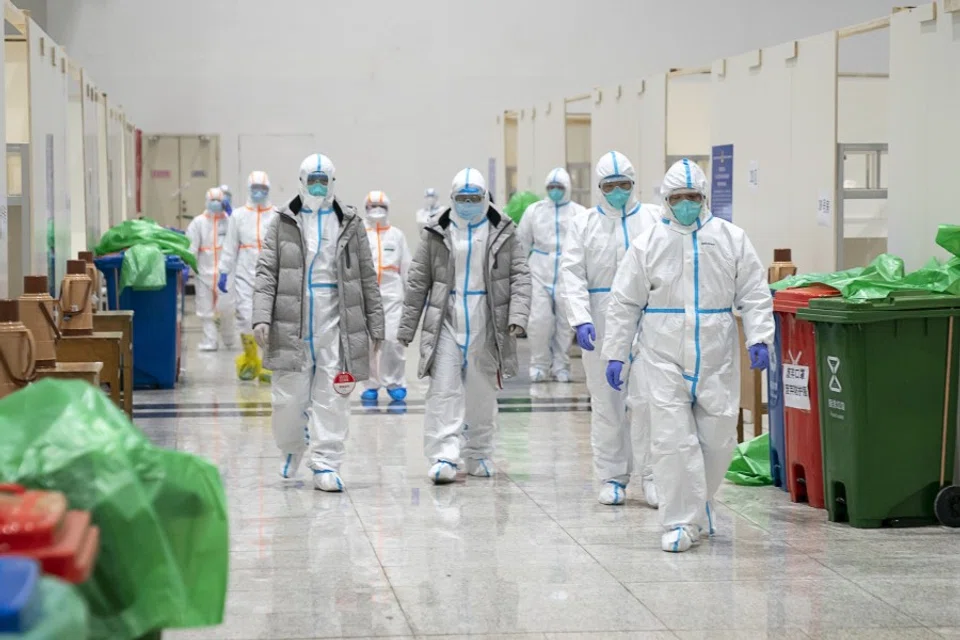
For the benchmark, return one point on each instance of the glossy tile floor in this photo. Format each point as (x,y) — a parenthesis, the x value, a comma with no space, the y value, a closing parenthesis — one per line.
(529,554)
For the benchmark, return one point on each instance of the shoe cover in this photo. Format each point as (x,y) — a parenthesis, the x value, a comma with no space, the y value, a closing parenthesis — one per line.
(563,376)
(479,467)
(537,376)
(650,493)
(612,493)
(248,362)
(327,480)
(399,393)
(443,472)
(370,395)
(206,346)
(678,540)
(291,464)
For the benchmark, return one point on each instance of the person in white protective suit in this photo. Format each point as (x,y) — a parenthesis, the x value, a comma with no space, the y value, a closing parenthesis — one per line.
(681,280)
(316,309)
(595,244)
(391,257)
(541,230)
(227,199)
(469,281)
(430,208)
(248,226)
(207,233)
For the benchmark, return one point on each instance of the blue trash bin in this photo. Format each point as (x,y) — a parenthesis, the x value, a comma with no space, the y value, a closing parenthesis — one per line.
(156,322)
(778,442)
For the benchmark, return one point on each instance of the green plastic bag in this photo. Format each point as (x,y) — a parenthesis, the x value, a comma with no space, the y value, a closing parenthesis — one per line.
(63,614)
(751,463)
(144,268)
(519,203)
(134,232)
(162,514)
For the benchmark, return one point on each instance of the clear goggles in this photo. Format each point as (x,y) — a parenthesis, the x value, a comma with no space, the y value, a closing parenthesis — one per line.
(318,177)
(471,198)
(556,185)
(677,197)
(608,185)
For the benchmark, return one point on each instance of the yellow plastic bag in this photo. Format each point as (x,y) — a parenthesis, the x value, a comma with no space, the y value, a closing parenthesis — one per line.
(248,363)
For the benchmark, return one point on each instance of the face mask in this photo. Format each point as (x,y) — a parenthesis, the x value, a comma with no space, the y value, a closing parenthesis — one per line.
(468,211)
(618,198)
(215,206)
(686,212)
(258,196)
(556,194)
(376,213)
(431,202)
(317,190)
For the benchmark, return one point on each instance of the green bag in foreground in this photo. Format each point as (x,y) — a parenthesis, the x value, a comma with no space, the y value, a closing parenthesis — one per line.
(751,463)
(162,514)
(144,268)
(134,232)
(519,203)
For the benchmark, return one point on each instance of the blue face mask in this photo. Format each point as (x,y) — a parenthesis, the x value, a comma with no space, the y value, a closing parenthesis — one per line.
(259,196)
(468,211)
(215,206)
(556,194)
(618,198)
(317,190)
(687,212)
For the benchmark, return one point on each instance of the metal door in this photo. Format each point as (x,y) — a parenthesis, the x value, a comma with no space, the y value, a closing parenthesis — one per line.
(177,171)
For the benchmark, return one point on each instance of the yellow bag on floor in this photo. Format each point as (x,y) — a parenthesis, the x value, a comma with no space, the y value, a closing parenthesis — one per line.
(249,365)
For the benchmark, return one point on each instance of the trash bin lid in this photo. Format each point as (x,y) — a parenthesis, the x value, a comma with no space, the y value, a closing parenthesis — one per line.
(792,300)
(898,305)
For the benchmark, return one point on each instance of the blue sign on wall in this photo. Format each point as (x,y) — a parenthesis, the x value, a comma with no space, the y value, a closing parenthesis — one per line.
(721,180)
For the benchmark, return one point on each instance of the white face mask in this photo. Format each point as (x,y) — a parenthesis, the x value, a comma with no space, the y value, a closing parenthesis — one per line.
(377,214)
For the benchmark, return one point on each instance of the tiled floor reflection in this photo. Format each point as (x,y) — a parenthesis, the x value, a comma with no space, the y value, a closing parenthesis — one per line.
(529,554)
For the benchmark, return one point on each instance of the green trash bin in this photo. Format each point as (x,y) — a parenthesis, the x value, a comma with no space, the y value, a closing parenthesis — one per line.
(882,366)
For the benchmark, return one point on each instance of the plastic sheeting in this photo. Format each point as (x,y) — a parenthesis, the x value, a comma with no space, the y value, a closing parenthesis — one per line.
(144,268)
(162,514)
(751,463)
(135,232)
(519,203)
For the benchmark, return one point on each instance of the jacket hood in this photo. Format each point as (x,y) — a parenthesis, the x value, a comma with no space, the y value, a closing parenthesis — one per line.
(614,163)
(560,175)
(685,175)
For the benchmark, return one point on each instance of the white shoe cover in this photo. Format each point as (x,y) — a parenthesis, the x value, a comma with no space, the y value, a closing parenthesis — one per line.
(479,467)
(678,540)
(650,493)
(443,472)
(206,346)
(291,464)
(537,376)
(563,376)
(612,493)
(327,480)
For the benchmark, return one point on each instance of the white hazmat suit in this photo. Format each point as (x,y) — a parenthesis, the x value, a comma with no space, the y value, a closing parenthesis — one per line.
(682,283)
(207,233)
(541,231)
(306,408)
(596,243)
(391,257)
(429,210)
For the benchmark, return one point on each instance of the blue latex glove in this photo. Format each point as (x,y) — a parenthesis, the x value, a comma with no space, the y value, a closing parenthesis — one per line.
(759,357)
(586,334)
(222,283)
(227,207)
(614,369)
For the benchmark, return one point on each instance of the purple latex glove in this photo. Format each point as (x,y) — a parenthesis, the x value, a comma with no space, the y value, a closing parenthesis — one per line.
(586,334)
(759,357)
(222,283)
(614,369)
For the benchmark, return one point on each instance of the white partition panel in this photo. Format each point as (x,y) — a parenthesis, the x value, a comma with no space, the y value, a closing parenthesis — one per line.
(115,163)
(17,130)
(777,107)
(78,204)
(49,183)
(130,172)
(631,118)
(91,160)
(103,167)
(526,151)
(16,92)
(4,230)
(688,114)
(924,131)
(549,136)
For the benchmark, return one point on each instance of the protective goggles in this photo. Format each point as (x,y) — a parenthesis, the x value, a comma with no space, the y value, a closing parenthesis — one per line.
(679,196)
(609,185)
(318,177)
(472,198)
(556,185)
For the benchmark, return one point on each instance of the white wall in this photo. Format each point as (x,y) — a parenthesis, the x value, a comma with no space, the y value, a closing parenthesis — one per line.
(924,134)
(550,138)
(688,115)
(400,94)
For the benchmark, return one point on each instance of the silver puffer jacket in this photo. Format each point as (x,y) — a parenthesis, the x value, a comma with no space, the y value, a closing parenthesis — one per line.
(431,279)
(278,298)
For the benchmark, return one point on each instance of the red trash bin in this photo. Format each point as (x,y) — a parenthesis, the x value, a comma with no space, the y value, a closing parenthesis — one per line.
(801,406)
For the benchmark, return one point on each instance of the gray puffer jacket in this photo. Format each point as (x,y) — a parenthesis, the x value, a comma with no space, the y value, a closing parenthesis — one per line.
(278,298)
(431,279)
